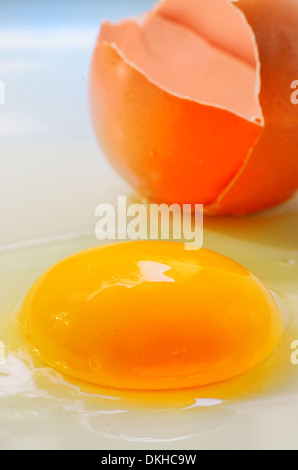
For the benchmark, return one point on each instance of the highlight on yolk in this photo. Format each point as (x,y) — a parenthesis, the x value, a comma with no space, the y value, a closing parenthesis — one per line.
(150,316)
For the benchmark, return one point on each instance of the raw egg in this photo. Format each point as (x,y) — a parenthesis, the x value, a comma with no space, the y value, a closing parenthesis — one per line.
(150,316)
(191,102)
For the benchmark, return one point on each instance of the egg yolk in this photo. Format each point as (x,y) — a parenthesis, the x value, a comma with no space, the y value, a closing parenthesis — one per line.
(150,316)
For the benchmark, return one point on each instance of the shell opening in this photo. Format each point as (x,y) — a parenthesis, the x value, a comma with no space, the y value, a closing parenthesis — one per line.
(204,51)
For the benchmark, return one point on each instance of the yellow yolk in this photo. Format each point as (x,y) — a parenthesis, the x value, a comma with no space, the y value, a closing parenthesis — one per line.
(150,316)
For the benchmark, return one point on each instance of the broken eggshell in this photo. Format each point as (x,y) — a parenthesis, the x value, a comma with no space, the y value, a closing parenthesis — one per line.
(191,102)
